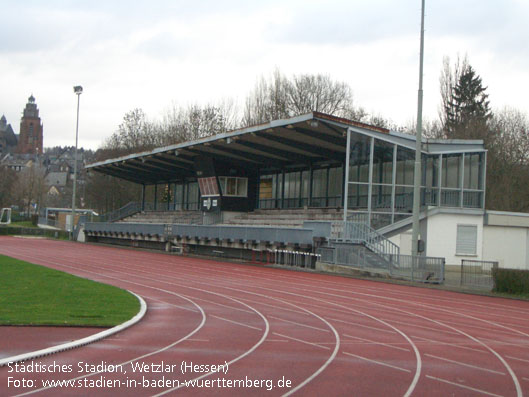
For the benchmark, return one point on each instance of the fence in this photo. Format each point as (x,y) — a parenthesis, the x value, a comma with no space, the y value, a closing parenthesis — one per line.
(414,268)
(477,273)
(296,258)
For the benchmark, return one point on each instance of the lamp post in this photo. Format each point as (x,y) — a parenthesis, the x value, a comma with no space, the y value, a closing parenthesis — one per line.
(418,147)
(78,90)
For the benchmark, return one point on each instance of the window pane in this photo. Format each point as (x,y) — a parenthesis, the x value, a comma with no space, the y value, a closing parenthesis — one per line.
(231,186)
(405,166)
(359,161)
(242,187)
(265,187)
(382,162)
(451,171)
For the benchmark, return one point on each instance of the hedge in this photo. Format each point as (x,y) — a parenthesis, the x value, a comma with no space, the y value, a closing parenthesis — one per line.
(511,281)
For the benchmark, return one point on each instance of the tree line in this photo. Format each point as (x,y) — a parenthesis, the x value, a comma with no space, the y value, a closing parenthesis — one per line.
(464,113)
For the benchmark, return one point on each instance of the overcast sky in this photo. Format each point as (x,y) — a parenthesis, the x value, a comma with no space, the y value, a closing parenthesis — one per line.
(152,54)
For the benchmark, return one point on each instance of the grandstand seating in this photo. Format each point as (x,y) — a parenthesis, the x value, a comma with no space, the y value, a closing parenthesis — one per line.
(182,217)
(285,217)
(262,217)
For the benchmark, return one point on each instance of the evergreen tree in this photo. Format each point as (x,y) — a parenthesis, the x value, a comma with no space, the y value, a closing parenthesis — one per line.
(468,111)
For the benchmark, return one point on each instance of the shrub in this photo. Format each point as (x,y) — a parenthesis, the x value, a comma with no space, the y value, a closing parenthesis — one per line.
(511,281)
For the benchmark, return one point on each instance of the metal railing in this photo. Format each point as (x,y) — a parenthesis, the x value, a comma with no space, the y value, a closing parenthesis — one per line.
(414,268)
(477,273)
(48,222)
(296,258)
(361,233)
(127,210)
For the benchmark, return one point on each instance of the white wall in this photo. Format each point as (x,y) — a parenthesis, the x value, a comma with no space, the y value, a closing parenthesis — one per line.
(442,235)
(508,245)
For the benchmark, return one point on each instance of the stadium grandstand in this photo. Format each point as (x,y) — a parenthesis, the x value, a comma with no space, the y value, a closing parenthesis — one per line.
(282,187)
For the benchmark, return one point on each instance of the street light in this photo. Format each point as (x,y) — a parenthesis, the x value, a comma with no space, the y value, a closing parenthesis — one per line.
(78,90)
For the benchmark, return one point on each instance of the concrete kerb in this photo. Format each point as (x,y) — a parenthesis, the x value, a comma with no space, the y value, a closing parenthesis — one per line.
(80,342)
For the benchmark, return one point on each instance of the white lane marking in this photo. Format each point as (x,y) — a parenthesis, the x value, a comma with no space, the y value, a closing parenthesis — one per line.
(422,326)
(526,379)
(518,359)
(489,322)
(265,334)
(275,307)
(496,342)
(519,392)
(300,324)
(465,364)
(302,341)
(459,346)
(377,362)
(418,368)
(222,305)
(251,350)
(143,356)
(377,343)
(172,304)
(302,384)
(464,386)
(363,326)
(277,340)
(246,353)
(235,322)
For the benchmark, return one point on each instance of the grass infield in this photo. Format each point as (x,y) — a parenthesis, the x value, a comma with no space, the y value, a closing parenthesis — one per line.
(36,295)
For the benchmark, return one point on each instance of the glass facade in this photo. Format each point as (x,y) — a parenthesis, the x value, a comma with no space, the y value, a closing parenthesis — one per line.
(324,189)
(182,196)
(381,177)
(380,188)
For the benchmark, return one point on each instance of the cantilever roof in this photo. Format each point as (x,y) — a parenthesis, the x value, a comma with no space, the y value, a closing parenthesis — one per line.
(307,139)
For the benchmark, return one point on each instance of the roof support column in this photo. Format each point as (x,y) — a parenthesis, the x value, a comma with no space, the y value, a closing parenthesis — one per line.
(300,190)
(311,183)
(346,177)
(155,196)
(370,186)
(461,178)
(282,188)
(174,196)
(327,188)
(168,196)
(393,183)
(142,197)
(440,180)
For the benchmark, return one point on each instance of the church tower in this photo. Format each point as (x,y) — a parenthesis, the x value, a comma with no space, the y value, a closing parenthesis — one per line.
(30,138)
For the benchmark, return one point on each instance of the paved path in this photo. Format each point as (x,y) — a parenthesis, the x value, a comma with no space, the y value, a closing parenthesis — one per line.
(293,332)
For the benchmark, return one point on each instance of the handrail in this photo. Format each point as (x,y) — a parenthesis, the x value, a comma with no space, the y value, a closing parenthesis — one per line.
(361,233)
(127,210)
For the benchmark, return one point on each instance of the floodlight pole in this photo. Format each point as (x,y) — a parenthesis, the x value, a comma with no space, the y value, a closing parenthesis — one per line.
(418,147)
(78,90)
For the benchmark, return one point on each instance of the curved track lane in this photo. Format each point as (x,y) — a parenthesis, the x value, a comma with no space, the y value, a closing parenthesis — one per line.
(321,334)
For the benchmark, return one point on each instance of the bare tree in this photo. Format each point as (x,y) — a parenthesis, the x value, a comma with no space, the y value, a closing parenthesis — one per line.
(8,182)
(30,188)
(508,161)
(267,101)
(183,124)
(281,97)
(319,93)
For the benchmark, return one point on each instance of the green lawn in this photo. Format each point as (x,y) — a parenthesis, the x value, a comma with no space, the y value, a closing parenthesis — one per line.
(35,295)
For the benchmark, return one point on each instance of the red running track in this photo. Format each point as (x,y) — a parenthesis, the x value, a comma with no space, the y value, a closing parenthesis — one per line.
(278,332)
